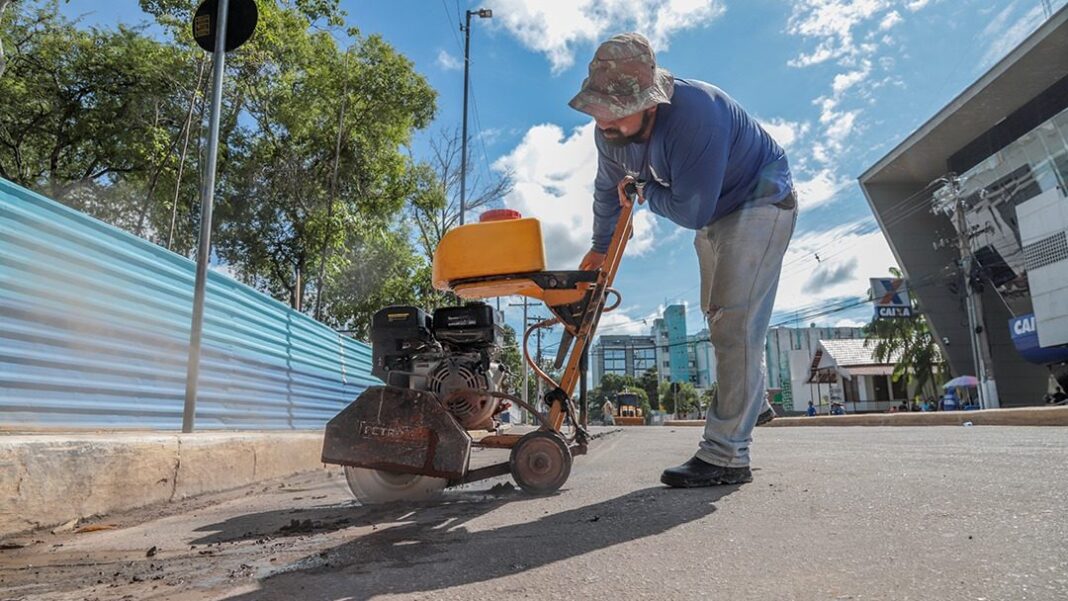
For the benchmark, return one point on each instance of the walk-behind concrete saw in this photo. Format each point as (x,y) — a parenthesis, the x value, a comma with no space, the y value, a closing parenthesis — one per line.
(444,380)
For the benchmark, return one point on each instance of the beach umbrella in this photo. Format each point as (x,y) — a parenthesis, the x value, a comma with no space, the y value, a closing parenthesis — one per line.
(962,382)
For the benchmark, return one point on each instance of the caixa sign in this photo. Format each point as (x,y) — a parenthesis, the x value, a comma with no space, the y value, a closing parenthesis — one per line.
(1024,331)
(891,298)
(892,312)
(1023,326)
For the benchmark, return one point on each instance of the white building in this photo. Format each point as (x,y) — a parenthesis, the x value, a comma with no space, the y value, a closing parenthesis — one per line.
(844,371)
(788,355)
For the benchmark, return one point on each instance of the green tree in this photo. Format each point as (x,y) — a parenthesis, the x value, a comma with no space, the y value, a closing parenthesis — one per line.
(708,396)
(677,397)
(3,59)
(910,345)
(313,178)
(86,116)
(378,269)
(314,172)
(325,156)
(650,383)
(512,358)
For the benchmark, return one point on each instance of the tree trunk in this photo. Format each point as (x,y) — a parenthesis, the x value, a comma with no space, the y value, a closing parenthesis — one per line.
(297,296)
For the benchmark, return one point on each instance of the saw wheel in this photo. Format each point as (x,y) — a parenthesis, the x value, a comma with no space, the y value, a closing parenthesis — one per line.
(540,462)
(371,486)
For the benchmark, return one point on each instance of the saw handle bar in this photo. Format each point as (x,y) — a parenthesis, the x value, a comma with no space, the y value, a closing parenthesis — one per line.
(581,327)
(548,323)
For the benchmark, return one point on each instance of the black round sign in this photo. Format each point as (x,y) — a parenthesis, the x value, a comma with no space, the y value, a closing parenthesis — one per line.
(240,23)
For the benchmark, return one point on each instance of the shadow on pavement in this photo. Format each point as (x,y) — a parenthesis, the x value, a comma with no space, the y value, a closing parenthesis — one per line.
(432,549)
(328,518)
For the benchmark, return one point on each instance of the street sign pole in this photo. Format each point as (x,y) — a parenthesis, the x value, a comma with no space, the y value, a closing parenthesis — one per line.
(207,196)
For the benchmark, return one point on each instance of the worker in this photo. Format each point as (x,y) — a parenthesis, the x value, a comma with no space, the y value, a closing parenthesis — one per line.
(701,161)
(608,413)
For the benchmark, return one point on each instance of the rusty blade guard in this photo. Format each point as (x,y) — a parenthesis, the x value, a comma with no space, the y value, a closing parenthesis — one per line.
(398,430)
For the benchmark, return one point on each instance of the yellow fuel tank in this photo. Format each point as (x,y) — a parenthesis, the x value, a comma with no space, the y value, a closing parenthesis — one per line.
(489,248)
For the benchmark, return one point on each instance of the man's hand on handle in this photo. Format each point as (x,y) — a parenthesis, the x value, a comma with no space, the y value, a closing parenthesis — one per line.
(593,259)
(624,194)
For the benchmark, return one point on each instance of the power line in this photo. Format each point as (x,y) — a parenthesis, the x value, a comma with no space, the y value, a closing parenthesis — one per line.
(911,205)
(924,282)
(478,127)
(455,35)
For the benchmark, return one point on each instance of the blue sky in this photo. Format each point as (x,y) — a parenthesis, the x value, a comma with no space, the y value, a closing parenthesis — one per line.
(838,83)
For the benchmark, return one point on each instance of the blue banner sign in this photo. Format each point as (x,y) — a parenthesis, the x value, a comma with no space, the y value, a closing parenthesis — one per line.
(1024,333)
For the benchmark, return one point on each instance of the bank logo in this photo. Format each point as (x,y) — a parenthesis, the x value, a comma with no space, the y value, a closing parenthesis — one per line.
(891,298)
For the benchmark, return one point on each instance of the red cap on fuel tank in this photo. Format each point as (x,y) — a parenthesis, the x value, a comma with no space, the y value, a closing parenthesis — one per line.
(499,215)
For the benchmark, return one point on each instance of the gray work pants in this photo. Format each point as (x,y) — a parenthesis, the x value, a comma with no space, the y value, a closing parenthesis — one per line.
(740,257)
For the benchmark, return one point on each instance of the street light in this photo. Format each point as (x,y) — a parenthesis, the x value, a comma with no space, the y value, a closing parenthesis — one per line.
(482,13)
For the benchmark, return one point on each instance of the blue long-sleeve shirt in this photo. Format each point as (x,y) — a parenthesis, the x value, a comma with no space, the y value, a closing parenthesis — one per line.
(706,158)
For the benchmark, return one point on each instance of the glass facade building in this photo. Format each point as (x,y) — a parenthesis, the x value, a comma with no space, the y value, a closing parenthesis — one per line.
(1033,164)
(675,355)
(1006,138)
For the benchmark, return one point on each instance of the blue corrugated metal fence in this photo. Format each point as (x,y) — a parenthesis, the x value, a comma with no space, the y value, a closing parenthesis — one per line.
(94,333)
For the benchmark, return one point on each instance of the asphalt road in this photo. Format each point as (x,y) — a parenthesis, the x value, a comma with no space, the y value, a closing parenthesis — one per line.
(834,513)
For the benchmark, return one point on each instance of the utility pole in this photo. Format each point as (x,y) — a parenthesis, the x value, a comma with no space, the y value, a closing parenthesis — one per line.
(482,13)
(526,368)
(537,355)
(988,396)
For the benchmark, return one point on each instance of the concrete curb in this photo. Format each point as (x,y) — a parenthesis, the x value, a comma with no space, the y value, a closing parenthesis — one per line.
(51,479)
(1017,416)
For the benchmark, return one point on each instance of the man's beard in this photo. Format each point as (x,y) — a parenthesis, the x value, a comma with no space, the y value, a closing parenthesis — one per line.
(618,139)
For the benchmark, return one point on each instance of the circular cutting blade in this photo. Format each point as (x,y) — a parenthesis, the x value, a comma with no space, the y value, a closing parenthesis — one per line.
(372,486)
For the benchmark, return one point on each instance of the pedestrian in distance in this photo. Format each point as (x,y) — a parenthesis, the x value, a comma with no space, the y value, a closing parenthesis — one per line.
(608,413)
(700,160)
(1059,397)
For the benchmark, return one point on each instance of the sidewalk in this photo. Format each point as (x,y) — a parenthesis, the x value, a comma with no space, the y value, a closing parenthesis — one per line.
(54,478)
(1017,416)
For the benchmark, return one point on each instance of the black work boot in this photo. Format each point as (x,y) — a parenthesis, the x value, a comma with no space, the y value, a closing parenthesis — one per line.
(766,416)
(695,473)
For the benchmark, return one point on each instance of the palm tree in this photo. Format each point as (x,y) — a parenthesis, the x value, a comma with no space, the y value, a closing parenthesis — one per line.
(910,342)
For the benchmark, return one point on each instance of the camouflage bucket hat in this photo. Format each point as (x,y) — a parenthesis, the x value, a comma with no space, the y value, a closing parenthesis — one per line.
(623,79)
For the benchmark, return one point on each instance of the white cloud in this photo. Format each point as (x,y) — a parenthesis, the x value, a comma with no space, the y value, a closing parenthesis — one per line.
(491,135)
(558,29)
(621,322)
(553,174)
(449,62)
(844,81)
(892,18)
(849,255)
(785,132)
(819,189)
(850,323)
(832,22)
(839,126)
(849,33)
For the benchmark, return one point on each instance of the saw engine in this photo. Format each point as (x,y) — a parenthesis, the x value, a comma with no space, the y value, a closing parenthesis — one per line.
(452,354)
